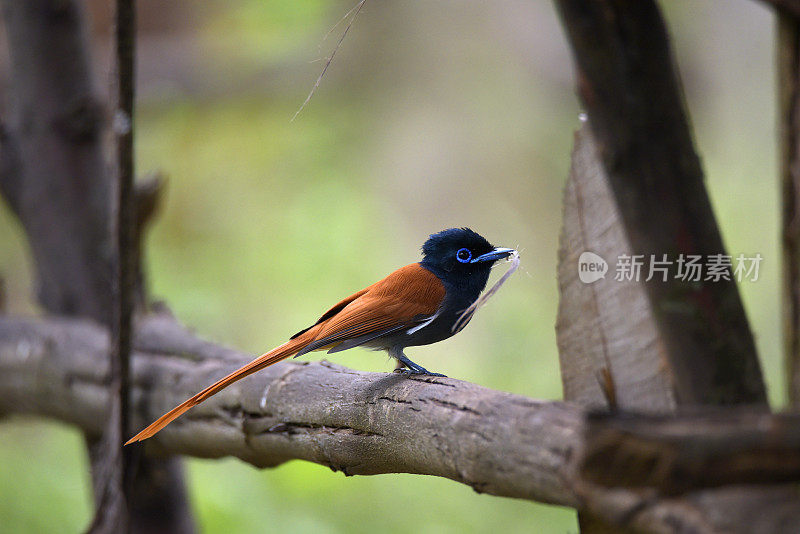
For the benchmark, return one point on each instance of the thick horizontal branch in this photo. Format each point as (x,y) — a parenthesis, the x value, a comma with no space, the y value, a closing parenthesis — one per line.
(355,422)
(351,421)
(703,449)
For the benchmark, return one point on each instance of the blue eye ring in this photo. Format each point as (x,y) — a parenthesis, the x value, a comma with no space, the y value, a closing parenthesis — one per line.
(464,255)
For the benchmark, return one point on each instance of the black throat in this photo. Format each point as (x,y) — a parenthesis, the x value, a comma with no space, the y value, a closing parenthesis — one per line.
(462,287)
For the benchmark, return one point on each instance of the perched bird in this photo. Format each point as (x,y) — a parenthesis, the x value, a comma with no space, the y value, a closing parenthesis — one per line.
(418,304)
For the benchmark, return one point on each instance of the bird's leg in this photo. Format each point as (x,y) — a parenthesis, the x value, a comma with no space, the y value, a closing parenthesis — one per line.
(412,368)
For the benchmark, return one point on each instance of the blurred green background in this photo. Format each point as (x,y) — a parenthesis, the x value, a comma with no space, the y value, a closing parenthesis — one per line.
(432,115)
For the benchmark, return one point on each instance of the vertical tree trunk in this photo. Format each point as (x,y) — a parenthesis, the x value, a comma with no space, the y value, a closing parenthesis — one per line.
(668,342)
(788,50)
(61,191)
(53,174)
(627,83)
(112,513)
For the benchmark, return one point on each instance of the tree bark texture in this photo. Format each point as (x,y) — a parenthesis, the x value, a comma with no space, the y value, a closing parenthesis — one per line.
(627,83)
(355,422)
(611,351)
(698,449)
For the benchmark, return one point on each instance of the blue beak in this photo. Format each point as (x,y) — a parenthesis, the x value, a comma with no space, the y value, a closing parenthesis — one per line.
(497,254)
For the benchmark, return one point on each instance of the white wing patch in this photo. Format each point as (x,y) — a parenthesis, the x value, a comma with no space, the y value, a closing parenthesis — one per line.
(423,325)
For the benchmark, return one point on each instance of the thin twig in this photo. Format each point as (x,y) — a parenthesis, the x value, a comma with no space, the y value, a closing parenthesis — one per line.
(126,214)
(344,17)
(113,511)
(356,10)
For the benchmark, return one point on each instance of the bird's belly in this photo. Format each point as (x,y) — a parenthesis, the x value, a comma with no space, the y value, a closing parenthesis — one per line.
(437,330)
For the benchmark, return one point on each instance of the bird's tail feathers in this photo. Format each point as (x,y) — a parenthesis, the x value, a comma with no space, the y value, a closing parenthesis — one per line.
(275,355)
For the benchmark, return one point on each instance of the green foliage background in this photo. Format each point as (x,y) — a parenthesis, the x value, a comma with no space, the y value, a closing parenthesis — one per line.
(433,114)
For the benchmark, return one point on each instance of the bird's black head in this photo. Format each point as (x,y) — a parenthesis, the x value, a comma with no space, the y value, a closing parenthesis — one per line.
(461,257)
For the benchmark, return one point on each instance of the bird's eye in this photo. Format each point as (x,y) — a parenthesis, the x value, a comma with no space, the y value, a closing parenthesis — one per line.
(463,255)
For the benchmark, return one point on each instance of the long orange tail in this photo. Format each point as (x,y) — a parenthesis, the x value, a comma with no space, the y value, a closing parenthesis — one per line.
(275,355)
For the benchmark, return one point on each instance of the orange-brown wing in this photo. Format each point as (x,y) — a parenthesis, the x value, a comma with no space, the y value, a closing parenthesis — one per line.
(406,297)
(336,308)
